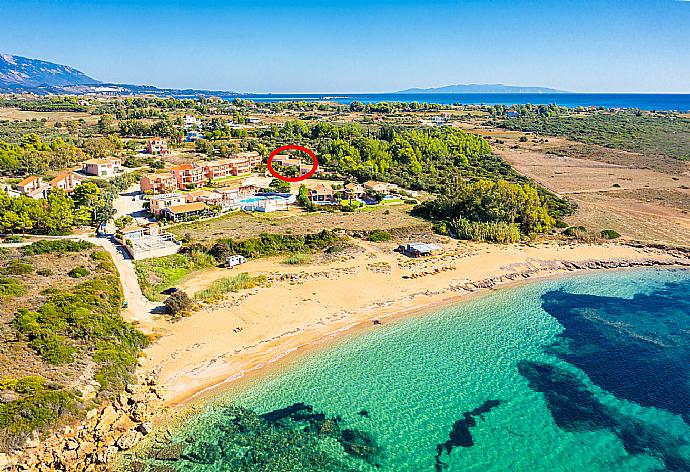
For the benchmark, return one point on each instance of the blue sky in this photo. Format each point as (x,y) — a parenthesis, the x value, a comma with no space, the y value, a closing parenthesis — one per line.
(360,46)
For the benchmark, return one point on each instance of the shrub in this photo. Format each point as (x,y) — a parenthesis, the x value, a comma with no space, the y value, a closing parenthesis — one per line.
(229,284)
(17,267)
(379,235)
(57,245)
(178,303)
(610,234)
(11,287)
(78,272)
(560,224)
(494,231)
(297,259)
(46,272)
(100,256)
(14,238)
(441,228)
(574,231)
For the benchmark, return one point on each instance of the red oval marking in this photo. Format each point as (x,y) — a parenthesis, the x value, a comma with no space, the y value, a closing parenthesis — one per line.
(295,147)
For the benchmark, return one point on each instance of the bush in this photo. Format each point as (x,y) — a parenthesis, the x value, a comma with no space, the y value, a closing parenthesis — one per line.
(379,235)
(78,272)
(178,303)
(560,224)
(11,287)
(297,259)
(100,256)
(57,245)
(575,231)
(14,238)
(229,284)
(610,234)
(17,267)
(46,272)
(493,232)
(441,228)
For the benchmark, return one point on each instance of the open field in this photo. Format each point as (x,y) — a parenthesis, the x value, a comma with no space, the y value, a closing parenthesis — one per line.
(50,116)
(243,225)
(642,204)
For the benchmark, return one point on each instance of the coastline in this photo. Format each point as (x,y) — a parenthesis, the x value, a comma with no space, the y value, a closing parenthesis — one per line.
(192,384)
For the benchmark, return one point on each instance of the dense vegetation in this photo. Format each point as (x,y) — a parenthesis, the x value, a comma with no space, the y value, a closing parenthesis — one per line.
(495,206)
(70,325)
(629,130)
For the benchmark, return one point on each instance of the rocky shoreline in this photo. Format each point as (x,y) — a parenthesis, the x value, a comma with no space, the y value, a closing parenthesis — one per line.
(93,443)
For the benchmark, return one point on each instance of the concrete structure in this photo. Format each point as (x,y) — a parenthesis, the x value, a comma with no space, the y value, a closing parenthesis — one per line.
(102,167)
(158,183)
(143,242)
(191,122)
(159,203)
(157,146)
(67,181)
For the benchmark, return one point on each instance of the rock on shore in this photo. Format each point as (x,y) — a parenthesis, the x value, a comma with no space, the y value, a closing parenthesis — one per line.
(94,442)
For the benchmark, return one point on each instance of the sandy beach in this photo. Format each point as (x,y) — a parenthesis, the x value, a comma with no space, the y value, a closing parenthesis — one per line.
(305,306)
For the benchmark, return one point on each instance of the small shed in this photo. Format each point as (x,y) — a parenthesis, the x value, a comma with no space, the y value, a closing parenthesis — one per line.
(418,249)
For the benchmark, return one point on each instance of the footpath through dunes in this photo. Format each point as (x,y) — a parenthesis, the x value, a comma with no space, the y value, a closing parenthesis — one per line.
(305,306)
(639,203)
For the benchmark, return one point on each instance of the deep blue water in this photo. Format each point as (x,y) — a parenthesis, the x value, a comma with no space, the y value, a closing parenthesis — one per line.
(652,101)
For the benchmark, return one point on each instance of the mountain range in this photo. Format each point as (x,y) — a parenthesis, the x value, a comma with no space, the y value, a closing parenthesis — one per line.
(482,88)
(21,74)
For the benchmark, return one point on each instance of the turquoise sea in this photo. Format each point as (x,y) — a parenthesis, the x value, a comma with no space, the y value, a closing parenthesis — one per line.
(582,373)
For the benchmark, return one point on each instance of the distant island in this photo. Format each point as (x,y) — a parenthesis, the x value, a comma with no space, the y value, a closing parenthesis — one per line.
(483,88)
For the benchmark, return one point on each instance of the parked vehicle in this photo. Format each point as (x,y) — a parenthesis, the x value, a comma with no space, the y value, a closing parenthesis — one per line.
(232,261)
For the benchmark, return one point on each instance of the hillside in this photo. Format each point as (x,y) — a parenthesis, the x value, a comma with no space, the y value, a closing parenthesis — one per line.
(483,88)
(19,72)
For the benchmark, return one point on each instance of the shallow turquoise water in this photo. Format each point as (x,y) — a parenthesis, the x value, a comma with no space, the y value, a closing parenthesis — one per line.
(585,373)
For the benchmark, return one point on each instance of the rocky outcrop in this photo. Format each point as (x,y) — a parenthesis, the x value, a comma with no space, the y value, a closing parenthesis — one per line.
(93,443)
(592,264)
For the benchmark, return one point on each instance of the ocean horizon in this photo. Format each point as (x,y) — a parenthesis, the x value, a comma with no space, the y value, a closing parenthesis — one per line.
(642,101)
(585,372)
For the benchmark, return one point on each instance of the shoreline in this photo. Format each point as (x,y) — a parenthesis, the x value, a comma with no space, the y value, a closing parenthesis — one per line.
(268,356)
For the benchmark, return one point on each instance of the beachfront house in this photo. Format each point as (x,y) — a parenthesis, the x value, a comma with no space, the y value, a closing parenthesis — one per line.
(66,181)
(286,160)
(158,203)
(354,191)
(33,187)
(158,146)
(418,249)
(379,187)
(186,211)
(164,182)
(102,167)
(322,195)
